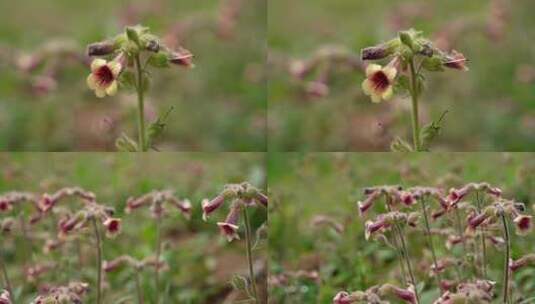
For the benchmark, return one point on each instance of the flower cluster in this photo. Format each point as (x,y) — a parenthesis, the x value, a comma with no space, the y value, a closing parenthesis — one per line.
(479,212)
(91,210)
(73,293)
(409,54)
(376,294)
(156,201)
(123,48)
(242,195)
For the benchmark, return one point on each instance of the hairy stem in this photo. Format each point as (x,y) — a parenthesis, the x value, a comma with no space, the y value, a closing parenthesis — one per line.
(158,253)
(6,279)
(430,240)
(507,257)
(408,260)
(483,243)
(414,113)
(248,242)
(99,260)
(138,288)
(461,233)
(141,105)
(398,248)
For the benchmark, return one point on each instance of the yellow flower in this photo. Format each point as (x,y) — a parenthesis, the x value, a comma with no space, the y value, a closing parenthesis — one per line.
(379,82)
(103,77)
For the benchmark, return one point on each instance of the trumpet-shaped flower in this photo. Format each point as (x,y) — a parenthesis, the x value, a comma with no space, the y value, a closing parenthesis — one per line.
(379,82)
(103,77)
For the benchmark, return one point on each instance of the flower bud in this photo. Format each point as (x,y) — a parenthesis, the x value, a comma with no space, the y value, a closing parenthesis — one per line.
(101,48)
(380,51)
(181,57)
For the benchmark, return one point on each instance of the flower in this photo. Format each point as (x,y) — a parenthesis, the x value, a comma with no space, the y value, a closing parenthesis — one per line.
(523,224)
(182,57)
(4,206)
(5,297)
(455,60)
(379,82)
(113,226)
(210,206)
(407,198)
(229,227)
(103,77)
(342,297)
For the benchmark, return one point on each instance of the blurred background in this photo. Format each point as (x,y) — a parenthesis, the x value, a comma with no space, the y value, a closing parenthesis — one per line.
(201,261)
(491,107)
(220,105)
(310,263)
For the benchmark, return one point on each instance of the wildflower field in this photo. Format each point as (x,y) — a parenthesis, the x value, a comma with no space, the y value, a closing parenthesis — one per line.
(57,210)
(353,228)
(317,103)
(217,105)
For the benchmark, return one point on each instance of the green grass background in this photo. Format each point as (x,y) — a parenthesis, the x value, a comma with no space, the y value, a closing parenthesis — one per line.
(303,185)
(201,261)
(489,109)
(218,106)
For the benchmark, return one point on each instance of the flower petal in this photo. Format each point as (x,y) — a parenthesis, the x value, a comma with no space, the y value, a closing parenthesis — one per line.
(390,72)
(387,94)
(115,68)
(372,68)
(376,98)
(100,92)
(367,87)
(112,88)
(97,63)
(91,83)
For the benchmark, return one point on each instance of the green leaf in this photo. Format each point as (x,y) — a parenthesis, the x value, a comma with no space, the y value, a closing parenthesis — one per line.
(126,144)
(159,60)
(431,131)
(403,84)
(399,145)
(156,128)
(239,282)
(432,64)
(127,80)
(133,35)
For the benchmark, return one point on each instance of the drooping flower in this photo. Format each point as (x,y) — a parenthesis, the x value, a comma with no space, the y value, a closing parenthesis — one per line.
(343,297)
(407,295)
(103,77)
(455,60)
(514,265)
(229,228)
(182,57)
(208,207)
(113,226)
(379,82)
(407,198)
(523,224)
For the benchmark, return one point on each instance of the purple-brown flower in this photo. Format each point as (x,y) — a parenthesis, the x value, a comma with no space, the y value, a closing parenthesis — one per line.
(455,60)
(208,207)
(113,226)
(342,297)
(523,224)
(229,228)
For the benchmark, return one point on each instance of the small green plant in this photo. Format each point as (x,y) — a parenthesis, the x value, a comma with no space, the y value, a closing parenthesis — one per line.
(410,54)
(133,52)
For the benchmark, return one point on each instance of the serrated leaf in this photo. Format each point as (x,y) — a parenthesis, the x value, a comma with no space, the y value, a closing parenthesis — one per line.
(156,128)
(126,144)
(431,131)
(399,145)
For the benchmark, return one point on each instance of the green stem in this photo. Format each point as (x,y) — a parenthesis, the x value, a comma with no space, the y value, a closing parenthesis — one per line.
(408,260)
(158,253)
(461,233)
(99,260)
(398,248)
(138,288)
(248,242)
(483,243)
(430,240)
(414,113)
(6,280)
(141,106)
(507,257)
